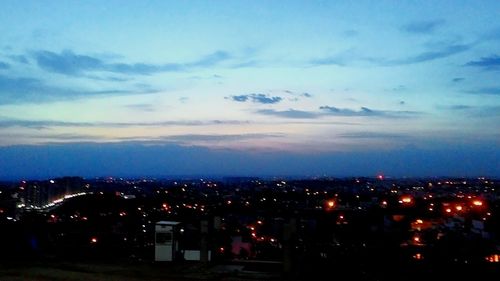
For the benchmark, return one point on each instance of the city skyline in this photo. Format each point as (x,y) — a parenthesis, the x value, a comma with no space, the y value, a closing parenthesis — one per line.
(314,88)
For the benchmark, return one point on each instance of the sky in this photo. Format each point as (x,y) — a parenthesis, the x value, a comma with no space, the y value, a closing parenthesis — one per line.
(251,88)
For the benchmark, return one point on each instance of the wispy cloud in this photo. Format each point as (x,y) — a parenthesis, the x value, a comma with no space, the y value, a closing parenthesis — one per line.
(350,33)
(21,89)
(290,113)
(350,57)
(485,91)
(257,98)
(399,88)
(18,58)
(146,107)
(221,137)
(486,63)
(42,124)
(373,135)
(340,59)
(62,137)
(459,107)
(245,64)
(4,65)
(69,63)
(335,111)
(475,111)
(365,111)
(431,55)
(422,27)
(457,79)
(30,90)
(210,60)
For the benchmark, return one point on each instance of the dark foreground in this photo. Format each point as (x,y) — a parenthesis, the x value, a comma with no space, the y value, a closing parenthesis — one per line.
(87,271)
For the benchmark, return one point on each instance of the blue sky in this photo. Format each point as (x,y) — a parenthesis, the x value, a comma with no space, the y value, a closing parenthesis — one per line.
(405,88)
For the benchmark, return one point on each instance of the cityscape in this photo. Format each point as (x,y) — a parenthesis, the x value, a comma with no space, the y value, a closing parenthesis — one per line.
(240,227)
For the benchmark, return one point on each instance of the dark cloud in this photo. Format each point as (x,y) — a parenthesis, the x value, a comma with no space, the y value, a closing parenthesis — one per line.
(373,135)
(460,107)
(216,138)
(240,98)
(486,63)
(31,90)
(69,63)
(365,111)
(485,91)
(429,55)
(457,79)
(290,113)
(21,89)
(335,111)
(4,65)
(422,27)
(257,98)
(41,124)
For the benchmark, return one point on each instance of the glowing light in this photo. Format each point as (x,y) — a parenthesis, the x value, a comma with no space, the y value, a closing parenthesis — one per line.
(406,200)
(418,256)
(384,203)
(416,239)
(493,258)
(331,204)
(458,208)
(419,221)
(93,240)
(477,203)
(259,222)
(448,210)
